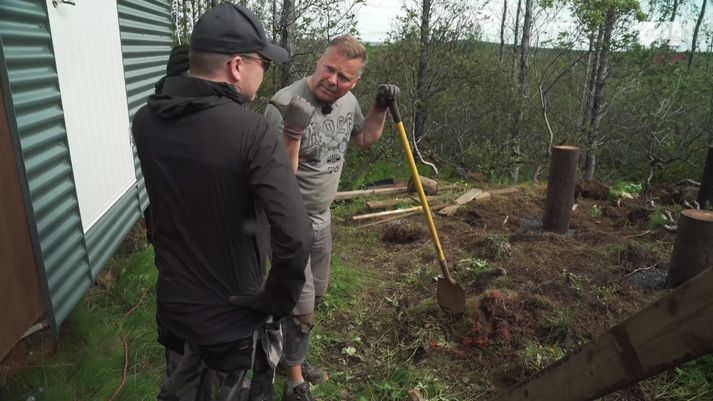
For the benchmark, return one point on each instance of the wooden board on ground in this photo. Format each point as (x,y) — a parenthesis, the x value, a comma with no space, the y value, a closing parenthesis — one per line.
(413,200)
(386,213)
(434,208)
(673,330)
(366,192)
(473,194)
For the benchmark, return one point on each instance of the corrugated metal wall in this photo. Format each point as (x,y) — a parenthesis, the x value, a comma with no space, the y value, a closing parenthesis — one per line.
(146,39)
(33,99)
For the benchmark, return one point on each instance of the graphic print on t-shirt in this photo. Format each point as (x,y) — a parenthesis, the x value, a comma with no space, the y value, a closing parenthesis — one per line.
(325,142)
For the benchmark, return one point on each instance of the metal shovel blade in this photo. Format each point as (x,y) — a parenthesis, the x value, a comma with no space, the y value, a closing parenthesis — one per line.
(451,296)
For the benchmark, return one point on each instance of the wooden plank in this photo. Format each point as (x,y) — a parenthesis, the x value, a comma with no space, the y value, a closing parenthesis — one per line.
(386,213)
(392,218)
(401,216)
(382,204)
(366,192)
(468,196)
(473,194)
(675,329)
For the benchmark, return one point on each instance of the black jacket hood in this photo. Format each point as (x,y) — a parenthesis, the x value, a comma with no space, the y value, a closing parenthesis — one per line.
(183,95)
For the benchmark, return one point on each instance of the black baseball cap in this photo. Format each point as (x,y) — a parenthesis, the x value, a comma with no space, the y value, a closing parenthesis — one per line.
(233,29)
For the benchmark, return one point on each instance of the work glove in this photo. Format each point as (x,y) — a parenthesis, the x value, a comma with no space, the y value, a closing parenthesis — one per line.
(178,64)
(296,116)
(385,95)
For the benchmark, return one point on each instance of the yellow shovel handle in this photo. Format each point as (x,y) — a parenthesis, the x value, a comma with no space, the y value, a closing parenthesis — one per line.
(419,188)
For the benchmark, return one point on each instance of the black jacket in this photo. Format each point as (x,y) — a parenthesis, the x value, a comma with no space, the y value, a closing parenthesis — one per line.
(216,175)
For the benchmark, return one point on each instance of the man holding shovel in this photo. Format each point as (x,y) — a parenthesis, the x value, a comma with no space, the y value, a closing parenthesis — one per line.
(317,156)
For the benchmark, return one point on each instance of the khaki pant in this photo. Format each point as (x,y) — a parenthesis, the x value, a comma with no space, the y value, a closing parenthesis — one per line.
(297,328)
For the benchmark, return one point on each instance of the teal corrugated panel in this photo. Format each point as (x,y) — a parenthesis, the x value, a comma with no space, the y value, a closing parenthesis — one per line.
(146,40)
(34,104)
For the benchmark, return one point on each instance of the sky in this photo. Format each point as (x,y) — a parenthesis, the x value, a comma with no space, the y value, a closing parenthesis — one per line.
(378,17)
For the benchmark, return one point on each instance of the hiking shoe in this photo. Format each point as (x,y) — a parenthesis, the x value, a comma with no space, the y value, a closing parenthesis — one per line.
(310,373)
(299,393)
(313,374)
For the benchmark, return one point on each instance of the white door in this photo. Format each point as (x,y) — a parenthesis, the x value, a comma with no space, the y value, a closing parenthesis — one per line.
(87,50)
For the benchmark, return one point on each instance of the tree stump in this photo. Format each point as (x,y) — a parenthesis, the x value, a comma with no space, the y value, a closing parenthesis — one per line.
(430,187)
(693,250)
(560,188)
(705,193)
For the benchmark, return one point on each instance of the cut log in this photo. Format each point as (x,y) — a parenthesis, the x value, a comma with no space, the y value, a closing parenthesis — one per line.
(560,188)
(673,330)
(693,249)
(430,187)
(705,193)
(386,213)
(366,192)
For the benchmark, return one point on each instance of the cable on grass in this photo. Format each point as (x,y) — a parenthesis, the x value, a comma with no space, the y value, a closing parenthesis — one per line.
(126,347)
(126,367)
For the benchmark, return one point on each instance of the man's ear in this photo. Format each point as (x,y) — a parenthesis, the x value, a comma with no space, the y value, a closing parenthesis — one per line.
(235,67)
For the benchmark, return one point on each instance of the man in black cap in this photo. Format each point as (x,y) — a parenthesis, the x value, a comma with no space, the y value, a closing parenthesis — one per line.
(216,175)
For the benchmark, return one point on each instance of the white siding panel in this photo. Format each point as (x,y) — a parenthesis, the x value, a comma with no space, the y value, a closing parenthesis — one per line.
(91,78)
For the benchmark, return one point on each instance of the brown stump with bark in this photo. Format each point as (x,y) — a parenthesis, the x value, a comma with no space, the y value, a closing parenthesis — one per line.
(693,250)
(705,193)
(430,187)
(560,188)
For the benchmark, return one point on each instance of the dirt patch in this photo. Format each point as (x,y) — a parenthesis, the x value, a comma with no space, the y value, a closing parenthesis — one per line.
(559,291)
(400,232)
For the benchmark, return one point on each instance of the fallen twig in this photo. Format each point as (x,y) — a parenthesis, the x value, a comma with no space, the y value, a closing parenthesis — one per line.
(641,269)
(639,235)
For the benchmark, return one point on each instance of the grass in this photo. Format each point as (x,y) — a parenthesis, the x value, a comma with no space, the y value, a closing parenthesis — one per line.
(86,361)
(378,321)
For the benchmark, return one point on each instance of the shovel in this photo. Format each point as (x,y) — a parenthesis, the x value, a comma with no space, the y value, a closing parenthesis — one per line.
(450,295)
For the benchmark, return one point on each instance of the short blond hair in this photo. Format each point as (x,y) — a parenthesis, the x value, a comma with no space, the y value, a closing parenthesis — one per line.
(350,47)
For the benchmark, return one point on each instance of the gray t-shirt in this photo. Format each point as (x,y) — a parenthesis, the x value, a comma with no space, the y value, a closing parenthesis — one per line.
(324,144)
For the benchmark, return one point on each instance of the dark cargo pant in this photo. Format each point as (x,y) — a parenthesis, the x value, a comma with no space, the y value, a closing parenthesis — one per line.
(233,372)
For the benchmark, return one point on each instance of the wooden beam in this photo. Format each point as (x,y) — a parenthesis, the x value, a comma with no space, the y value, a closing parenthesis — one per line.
(675,329)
